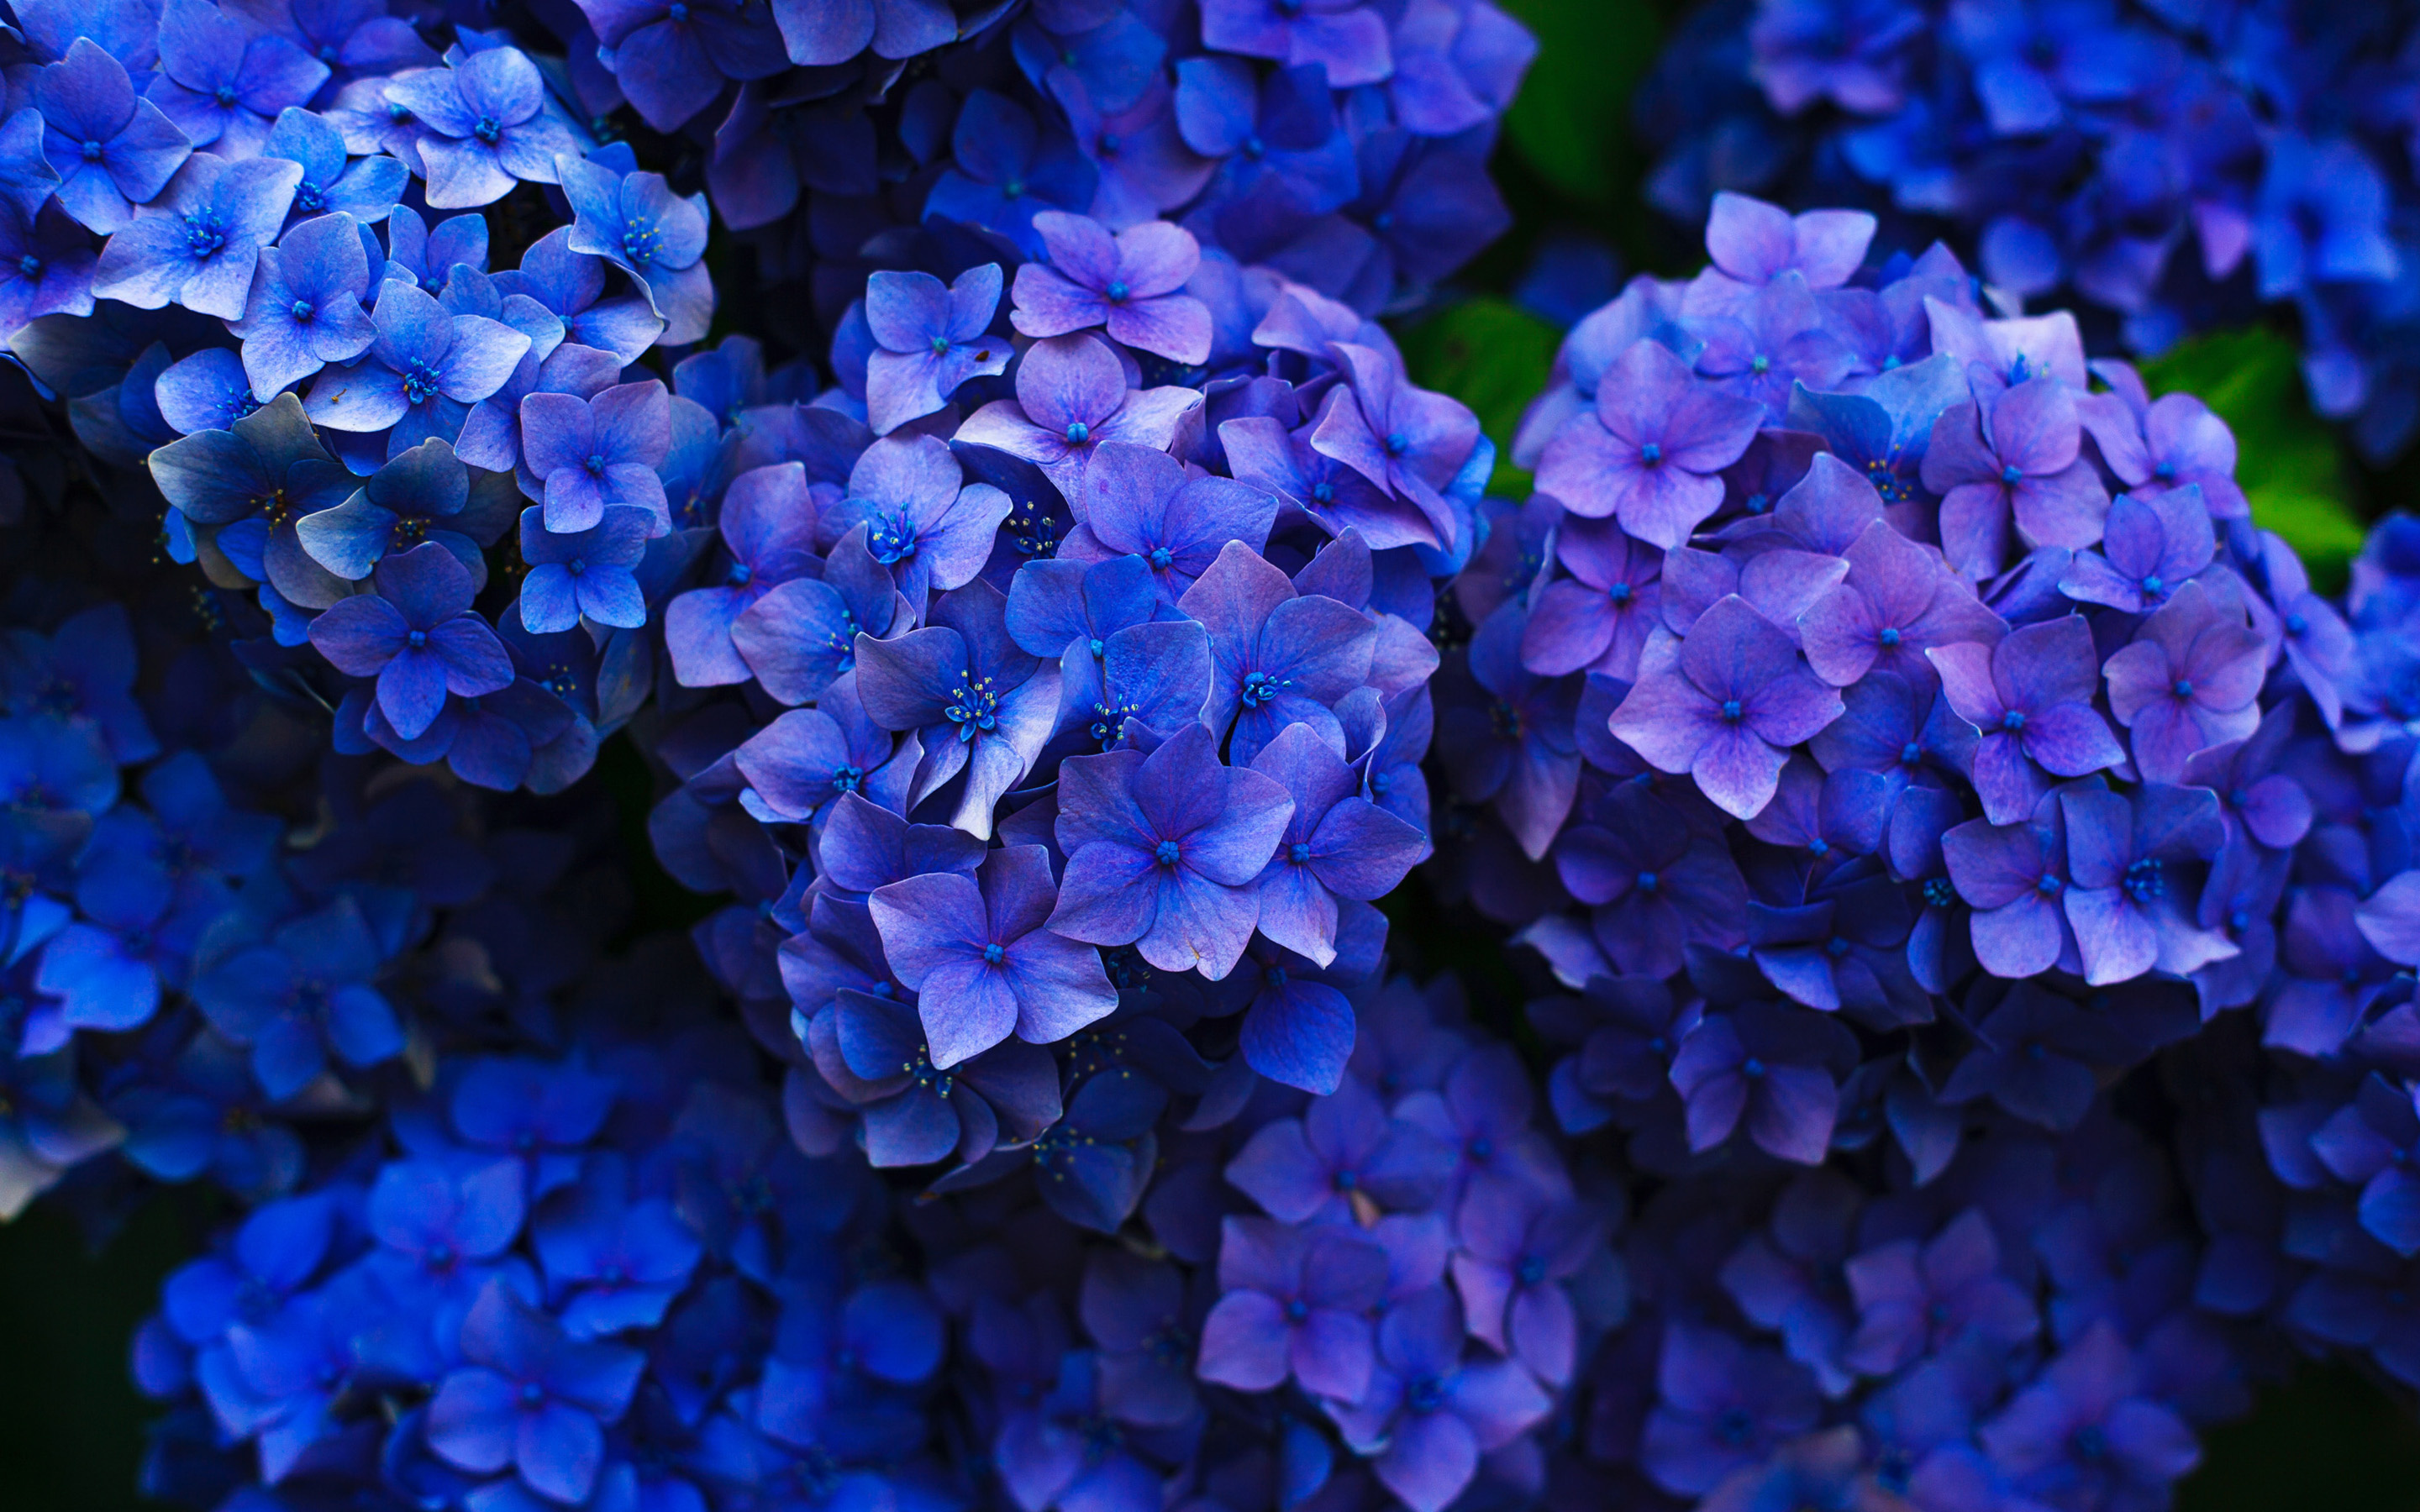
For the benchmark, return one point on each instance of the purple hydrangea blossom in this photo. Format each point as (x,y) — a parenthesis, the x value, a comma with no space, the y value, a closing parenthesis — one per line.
(1431,1413)
(1735,700)
(981,705)
(221,84)
(1648,454)
(1164,852)
(111,148)
(1128,283)
(198,242)
(584,574)
(2188,682)
(1296,1303)
(636,223)
(592,454)
(932,339)
(975,950)
(1072,398)
(304,308)
(2030,699)
(416,636)
(485,128)
(424,368)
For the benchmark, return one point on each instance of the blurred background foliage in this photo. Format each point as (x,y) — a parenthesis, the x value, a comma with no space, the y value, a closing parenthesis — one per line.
(2326,1440)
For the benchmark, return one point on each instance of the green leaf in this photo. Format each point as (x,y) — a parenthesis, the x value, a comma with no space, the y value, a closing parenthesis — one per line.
(1569,120)
(2288,460)
(1494,357)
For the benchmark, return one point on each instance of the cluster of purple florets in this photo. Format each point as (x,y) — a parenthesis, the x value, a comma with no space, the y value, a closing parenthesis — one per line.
(2173,167)
(1894,731)
(1975,866)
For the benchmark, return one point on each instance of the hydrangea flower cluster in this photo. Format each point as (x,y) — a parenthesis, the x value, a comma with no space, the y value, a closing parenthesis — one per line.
(1892,729)
(1341,142)
(223,945)
(485,534)
(1974,861)
(404,297)
(2173,167)
(590,1281)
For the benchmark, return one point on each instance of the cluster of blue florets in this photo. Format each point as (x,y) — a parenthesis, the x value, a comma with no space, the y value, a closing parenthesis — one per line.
(929,480)
(2171,168)
(1034,655)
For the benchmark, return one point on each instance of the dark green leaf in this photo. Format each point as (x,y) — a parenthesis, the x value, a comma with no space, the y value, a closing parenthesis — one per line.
(1492,356)
(2289,461)
(1570,122)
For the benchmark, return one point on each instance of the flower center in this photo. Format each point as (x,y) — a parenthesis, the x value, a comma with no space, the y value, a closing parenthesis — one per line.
(994,954)
(1117,291)
(640,241)
(1079,433)
(1732,713)
(974,706)
(204,236)
(2144,882)
(1649,881)
(1650,454)
(2182,688)
(2011,476)
(894,539)
(2013,721)
(1261,687)
(92,152)
(1168,853)
(416,638)
(2048,886)
(418,384)
(1889,636)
